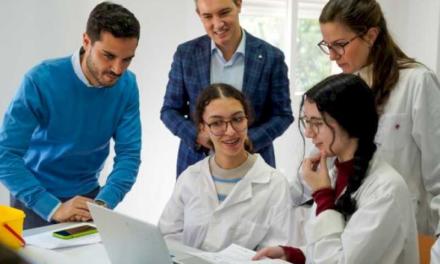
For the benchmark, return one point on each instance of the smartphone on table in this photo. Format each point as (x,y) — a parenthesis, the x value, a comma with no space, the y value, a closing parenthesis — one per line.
(77,231)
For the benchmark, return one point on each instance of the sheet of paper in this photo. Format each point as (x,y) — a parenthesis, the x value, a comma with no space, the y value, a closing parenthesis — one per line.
(39,255)
(235,254)
(46,240)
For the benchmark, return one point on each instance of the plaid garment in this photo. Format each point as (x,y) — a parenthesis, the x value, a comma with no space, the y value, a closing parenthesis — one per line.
(265,84)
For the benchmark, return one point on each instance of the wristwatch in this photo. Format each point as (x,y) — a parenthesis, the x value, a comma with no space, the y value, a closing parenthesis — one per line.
(101,203)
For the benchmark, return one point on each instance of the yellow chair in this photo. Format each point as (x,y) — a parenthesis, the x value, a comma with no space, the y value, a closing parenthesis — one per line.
(11,227)
(425,245)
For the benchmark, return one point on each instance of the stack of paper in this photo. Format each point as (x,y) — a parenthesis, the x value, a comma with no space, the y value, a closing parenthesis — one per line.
(235,254)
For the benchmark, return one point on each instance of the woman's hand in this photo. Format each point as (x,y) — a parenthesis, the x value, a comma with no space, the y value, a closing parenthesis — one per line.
(270,252)
(203,139)
(315,172)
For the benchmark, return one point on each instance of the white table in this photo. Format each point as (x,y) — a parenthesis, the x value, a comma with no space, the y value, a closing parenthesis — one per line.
(94,253)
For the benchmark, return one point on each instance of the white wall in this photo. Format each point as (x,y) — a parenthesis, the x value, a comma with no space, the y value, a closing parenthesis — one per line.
(436,22)
(33,30)
(416,28)
(164,25)
(30,32)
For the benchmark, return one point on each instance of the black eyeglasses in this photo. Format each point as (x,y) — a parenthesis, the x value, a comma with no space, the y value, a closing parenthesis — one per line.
(219,127)
(338,46)
(311,123)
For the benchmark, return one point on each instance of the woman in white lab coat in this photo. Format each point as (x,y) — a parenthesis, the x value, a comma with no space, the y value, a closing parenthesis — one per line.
(232,196)
(435,252)
(407,96)
(362,211)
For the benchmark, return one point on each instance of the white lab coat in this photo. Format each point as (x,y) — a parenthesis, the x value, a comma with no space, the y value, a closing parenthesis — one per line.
(435,252)
(381,231)
(408,139)
(257,212)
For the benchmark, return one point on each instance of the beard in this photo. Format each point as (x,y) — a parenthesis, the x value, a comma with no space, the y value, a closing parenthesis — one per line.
(98,76)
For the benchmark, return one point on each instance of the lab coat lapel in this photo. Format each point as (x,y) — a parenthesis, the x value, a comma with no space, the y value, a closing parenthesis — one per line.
(208,190)
(243,191)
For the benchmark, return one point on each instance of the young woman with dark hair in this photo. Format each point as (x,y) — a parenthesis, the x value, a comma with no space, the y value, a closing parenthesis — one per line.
(406,93)
(362,210)
(232,196)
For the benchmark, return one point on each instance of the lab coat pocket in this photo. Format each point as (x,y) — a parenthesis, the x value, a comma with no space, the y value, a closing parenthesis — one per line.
(195,227)
(394,132)
(249,234)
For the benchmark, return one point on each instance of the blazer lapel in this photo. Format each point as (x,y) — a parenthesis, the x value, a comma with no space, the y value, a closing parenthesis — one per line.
(254,62)
(203,61)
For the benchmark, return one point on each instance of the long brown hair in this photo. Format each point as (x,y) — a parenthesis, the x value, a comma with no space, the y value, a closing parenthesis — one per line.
(386,57)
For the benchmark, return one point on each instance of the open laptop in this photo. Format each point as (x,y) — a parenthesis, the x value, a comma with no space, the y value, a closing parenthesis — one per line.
(128,240)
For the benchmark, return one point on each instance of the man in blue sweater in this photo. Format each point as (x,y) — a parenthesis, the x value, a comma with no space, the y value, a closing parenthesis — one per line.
(56,132)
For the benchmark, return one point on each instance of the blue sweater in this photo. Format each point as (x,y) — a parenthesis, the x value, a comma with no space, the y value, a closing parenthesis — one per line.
(55,137)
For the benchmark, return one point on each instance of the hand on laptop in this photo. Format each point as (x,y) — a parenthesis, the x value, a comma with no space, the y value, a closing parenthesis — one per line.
(75,210)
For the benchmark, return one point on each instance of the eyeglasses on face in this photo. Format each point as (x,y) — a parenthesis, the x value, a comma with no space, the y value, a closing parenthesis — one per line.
(219,127)
(338,46)
(313,123)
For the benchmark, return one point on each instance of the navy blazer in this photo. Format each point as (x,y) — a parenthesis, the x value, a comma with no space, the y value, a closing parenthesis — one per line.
(265,84)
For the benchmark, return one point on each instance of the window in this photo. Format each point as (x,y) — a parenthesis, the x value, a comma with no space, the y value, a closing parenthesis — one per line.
(268,20)
(292,26)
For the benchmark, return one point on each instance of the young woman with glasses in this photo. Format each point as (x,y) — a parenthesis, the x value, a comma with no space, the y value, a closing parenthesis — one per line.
(407,96)
(232,196)
(362,210)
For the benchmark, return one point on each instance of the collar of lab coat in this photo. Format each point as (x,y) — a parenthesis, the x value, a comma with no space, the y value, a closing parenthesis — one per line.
(366,73)
(376,167)
(373,166)
(260,173)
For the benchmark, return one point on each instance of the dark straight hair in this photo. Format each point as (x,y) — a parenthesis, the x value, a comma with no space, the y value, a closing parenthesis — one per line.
(348,99)
(112,18)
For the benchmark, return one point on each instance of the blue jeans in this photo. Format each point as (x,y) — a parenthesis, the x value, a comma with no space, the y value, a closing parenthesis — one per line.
(32,219)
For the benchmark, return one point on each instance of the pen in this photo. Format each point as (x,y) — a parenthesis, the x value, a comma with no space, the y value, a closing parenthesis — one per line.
(12,231)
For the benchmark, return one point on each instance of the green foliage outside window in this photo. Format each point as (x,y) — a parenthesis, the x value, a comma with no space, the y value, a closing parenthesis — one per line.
(268,28)
(312,65)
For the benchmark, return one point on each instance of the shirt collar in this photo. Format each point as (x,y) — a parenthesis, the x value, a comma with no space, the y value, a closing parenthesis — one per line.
(240,49)
(76,63)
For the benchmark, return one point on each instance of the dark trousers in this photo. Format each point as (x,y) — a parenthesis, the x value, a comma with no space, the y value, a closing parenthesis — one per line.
(32,219)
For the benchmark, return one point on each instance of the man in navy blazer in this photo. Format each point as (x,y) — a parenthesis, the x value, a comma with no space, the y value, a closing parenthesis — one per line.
(230,55)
